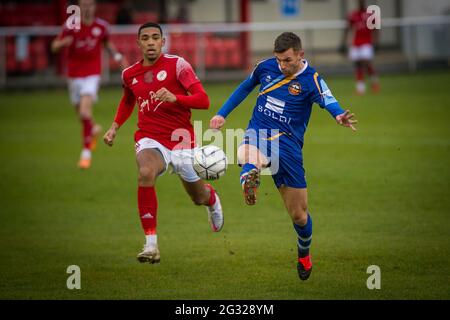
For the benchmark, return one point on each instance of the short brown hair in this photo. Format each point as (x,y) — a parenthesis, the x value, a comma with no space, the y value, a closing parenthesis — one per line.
(287,40)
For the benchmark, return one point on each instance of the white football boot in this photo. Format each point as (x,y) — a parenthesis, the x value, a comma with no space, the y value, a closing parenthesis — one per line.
(215,215)
(149,254)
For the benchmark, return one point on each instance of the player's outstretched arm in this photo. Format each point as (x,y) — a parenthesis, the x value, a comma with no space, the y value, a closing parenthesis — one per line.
(216,122)
(58,43)
(124,111)
(241,92)
(109,136)
(345,119)
(117,56)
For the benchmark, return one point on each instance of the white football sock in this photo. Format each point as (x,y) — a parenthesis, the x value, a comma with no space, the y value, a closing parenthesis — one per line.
(361,86)
(86,154)
(151,240)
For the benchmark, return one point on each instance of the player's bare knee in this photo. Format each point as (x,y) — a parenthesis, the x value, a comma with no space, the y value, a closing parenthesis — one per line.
(147,176)
(84,115)
(300,216)
(301,220)
(242,156)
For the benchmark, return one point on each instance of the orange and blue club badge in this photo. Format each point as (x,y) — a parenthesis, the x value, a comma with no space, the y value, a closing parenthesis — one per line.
(295,88)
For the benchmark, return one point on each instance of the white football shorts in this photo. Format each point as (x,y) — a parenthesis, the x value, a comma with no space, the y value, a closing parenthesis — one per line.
(179,160)
(83,86)
(364,52)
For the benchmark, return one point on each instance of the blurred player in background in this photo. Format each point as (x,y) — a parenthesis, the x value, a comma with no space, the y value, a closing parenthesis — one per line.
(362,47)
(84,51)
(165,89)
(274,136)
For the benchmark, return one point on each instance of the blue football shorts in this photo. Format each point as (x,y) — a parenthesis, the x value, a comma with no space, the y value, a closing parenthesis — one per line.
(284,155)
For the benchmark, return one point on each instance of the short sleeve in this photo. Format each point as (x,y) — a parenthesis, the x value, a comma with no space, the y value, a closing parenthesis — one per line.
(351,19)
(106,32)
(64,32)
(123,77)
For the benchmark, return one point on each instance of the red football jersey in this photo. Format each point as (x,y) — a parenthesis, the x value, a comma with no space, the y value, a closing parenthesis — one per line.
(84,55)
(168,123)
(358,22)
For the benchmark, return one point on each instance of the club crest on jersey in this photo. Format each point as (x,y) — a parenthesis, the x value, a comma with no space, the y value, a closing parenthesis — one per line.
(96,31)
(268,78)
(295,88)
(162,75)
(148,77)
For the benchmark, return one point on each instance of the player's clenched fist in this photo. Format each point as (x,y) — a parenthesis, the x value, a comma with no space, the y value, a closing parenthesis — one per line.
(165,95)
(216,122)
(58,44)
(109,136)
(66,41)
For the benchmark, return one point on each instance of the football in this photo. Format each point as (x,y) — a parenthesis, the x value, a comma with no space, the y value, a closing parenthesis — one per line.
(210,162)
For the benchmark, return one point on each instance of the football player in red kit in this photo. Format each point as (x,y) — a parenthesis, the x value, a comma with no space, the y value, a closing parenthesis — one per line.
(165,89)
(84,68)
(362,48)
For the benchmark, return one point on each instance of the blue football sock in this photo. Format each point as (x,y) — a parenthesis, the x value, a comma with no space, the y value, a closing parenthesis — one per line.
(246,168)
(304,234)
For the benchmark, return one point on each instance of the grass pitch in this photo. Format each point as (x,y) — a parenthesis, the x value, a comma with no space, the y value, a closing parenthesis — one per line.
(377,197)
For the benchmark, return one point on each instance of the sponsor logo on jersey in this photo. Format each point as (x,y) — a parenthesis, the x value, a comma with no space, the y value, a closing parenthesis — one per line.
(134,81)
(268,78)
(145,104)
(274,115)
(274,109)
(295,88)
(88,43)
(275,104)
(162,75)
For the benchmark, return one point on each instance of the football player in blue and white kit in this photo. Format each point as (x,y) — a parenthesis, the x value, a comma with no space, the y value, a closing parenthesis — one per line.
(274,137)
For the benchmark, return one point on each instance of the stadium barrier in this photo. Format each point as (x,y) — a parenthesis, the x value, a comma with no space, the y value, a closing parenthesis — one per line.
(227,51)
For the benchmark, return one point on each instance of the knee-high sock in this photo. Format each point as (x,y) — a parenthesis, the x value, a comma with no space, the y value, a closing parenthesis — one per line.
(304,234)
(371,70)
(212,195)
(359,73)
(87,125)
(148,207)
(373,77)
